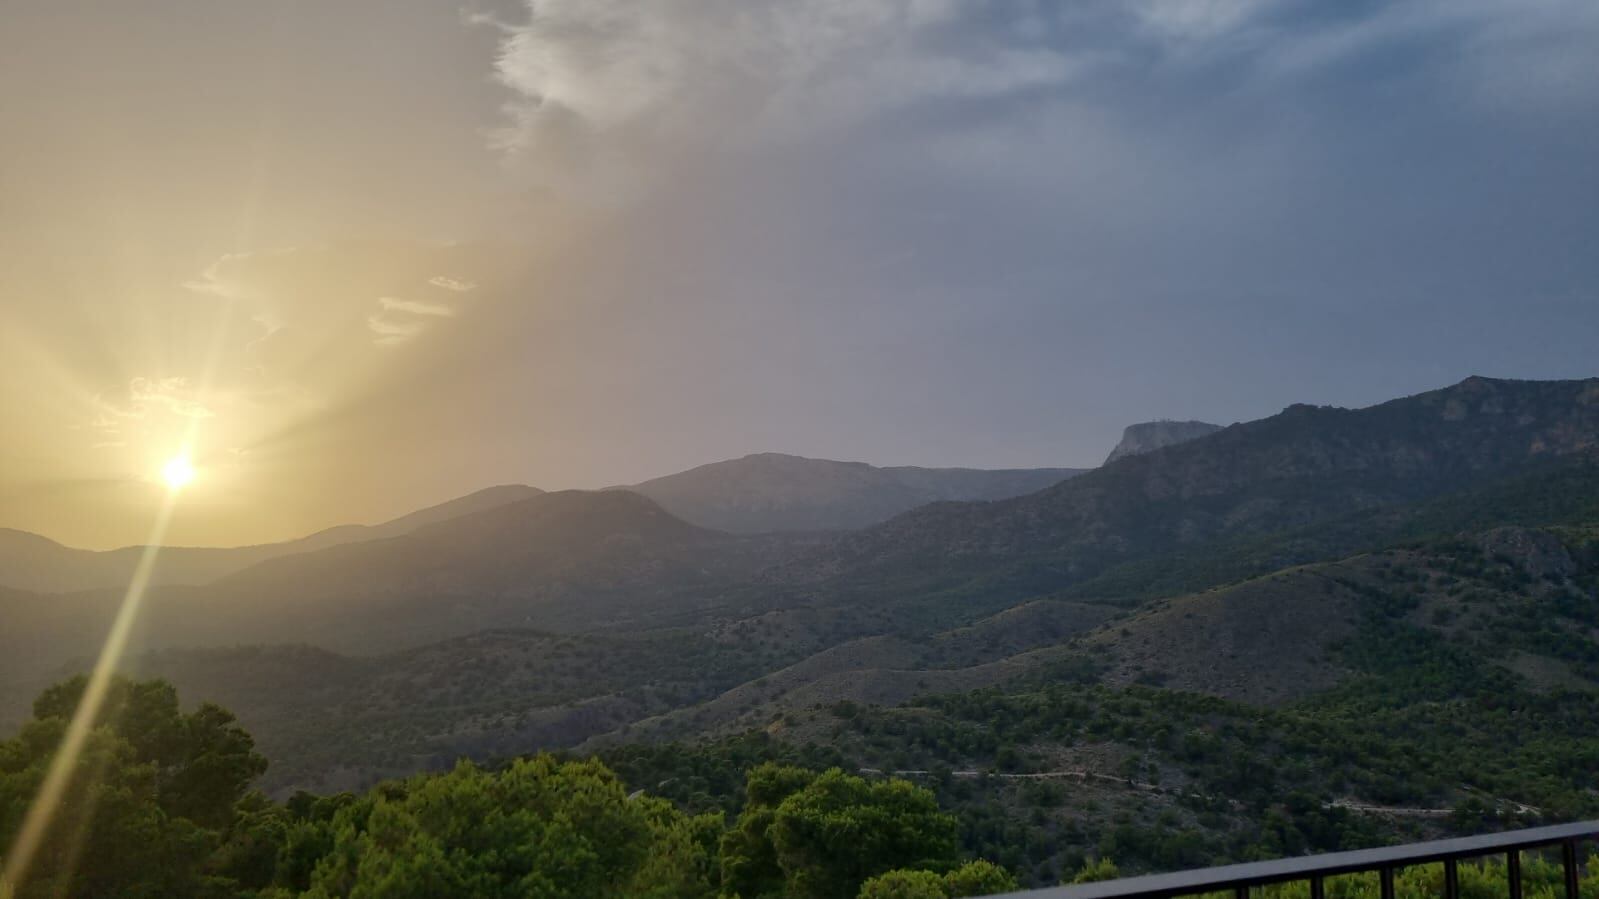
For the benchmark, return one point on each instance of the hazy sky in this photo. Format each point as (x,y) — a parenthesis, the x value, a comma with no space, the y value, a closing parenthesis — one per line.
(375,253)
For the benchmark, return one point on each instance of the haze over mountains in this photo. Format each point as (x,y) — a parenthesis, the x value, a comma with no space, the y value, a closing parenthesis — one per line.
(31,562)
(778,492)
(471,633)
(755,494)
(759,493)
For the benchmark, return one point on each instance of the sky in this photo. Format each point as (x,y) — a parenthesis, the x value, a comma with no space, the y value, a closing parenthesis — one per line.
(358,256)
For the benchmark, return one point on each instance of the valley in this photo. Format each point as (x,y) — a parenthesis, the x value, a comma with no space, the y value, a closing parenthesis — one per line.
(1322,629)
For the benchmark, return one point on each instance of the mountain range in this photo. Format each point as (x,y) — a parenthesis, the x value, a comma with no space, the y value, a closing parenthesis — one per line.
(1303,467)
(767,492)
(1435,546)
(776,492)
(32,562)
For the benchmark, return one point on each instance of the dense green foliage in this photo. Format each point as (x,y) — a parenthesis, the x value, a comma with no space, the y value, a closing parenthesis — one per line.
(1432,731)
(490,694)
(1423,725)
(977,878)
(159,809)
(152,800)
(539,827)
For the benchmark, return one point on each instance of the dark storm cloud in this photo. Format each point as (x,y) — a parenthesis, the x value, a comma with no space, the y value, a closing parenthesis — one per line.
(1019,225)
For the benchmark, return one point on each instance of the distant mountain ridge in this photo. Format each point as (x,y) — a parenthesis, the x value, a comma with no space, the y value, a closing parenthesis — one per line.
(569,560)
(1240,565)
(1305,465)
(767,492)
(1149,436)
(32,562)
(762,493)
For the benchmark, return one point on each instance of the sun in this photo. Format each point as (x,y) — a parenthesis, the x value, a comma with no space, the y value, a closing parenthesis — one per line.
(178,472)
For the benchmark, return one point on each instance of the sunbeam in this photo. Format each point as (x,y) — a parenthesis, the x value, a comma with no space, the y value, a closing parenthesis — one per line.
(59,777)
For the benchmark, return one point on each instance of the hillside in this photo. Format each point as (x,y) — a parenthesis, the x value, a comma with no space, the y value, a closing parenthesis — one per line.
(1428,690)
(1514,600)
(1560,491)
(31,562)
(571,561)
(1506,609)
(776,492)
(332,721)
(1302,468)
(476,501)
(1302,631)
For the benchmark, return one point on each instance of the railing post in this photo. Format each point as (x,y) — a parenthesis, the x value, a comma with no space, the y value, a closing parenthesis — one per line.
(1386,876)
(1240,892)
(1568,862)
(1451,879)
(1513,872)
(1318,887)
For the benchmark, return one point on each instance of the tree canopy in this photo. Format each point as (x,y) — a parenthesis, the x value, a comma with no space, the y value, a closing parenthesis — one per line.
(160,806)
(150,803)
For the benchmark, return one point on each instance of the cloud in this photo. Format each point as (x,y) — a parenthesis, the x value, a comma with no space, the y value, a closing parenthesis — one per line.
(390,331)
(234,276)
(456,285)
(398,321)
(149,404)
(1198,20)
(415,307)
(605,92)
(604,88)
(305,301)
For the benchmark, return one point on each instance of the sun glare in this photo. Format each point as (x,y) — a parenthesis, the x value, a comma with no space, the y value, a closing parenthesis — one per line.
(178,472)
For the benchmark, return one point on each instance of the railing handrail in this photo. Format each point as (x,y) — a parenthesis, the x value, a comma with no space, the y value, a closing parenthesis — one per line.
(1315,867)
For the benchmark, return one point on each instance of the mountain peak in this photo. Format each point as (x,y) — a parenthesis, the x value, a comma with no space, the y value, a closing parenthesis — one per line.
(1149,436)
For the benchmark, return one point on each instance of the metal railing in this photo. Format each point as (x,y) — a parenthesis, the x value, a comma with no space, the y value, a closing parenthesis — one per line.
(1315,869)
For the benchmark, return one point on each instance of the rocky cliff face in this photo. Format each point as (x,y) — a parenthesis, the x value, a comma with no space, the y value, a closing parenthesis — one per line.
(1152,435)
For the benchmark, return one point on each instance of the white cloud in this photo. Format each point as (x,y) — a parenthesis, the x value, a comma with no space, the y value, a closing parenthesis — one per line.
(148,404)
(398,321)
(456,285)
(415,307)
(1532,51)
(606,92)
(304,300)
(606,88)
(230,276)
(390,331)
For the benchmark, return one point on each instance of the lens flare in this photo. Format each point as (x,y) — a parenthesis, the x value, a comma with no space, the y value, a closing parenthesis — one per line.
(58,777)
(35,827)
(178,472)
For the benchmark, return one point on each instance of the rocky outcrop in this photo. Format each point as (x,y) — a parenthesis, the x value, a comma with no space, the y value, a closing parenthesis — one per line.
(1152,435)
